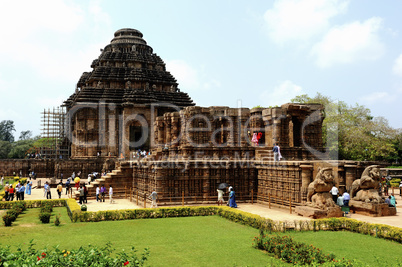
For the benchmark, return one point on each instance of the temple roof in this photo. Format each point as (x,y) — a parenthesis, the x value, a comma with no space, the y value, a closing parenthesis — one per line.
(128,72)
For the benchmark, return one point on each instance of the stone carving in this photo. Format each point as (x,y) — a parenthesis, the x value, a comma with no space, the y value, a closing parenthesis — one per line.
(366,188)
(318,195)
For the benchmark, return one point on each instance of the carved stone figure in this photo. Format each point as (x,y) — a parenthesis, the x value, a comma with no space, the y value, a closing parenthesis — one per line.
(318,195)
(366,188)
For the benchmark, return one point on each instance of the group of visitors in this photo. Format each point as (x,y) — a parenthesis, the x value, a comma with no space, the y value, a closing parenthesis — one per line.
(391,201)
(141,154)
(257,138)
(101,192)
(18,190)
(232,197)
(340,200)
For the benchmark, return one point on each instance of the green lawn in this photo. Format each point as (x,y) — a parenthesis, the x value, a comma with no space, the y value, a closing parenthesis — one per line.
(367,249)
(189,241)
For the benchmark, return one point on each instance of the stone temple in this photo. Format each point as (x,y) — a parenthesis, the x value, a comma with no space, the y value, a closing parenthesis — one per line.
(130,102)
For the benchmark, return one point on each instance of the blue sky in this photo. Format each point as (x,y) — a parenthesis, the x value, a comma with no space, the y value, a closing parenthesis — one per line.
(226,53)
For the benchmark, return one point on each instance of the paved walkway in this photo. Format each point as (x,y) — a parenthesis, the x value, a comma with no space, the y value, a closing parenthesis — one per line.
(274,213)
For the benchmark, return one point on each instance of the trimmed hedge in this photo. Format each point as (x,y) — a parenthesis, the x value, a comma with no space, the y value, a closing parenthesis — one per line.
(33,203)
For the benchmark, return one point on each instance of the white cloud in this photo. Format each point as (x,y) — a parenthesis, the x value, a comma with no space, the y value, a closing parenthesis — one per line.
(281,94)
(376,97)
(190,78)
(299,20)
(349,43)
(47,36)
(397,69)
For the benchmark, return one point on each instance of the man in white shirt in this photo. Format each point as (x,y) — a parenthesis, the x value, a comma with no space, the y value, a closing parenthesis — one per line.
(111,194)
(334,192)
(154,196)
(97,193)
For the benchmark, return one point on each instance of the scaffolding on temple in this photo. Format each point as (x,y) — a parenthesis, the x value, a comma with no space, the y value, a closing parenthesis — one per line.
(54,143)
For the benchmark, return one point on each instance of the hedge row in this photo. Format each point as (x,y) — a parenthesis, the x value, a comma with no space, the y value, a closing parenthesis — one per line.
(33,203)
(238,216)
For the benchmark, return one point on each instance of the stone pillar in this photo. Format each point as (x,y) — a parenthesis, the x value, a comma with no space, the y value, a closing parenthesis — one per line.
(350,176)
(307,178)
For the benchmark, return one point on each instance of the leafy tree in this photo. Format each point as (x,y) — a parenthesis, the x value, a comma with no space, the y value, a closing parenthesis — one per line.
(6,130)
(20,149)
(5,148)
(25,135)
(351,132)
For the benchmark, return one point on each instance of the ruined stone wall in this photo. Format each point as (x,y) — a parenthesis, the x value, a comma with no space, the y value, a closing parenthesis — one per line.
(196,181)
(48,168)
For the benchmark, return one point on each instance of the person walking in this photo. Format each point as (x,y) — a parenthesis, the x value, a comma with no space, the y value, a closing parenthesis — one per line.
(97,193)
(81,190)
(232,199)
(29,187)
(110,194)
(68,183)
(103,192)
(47,191)
(346,198)
(59,189)
(6,190)
(153,197)
(21,189)
(11,193)
(220,197)
(275,149)
(334,192)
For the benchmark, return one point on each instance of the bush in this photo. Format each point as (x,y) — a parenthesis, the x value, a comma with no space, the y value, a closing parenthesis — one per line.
(57,220)
(83,256)
(285,248)
(84,208)
(8,219)
(44,217)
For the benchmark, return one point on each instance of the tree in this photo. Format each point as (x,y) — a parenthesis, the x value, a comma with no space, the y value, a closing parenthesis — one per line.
(20,149)
(25,135)
(6,131)
(5,148)
(351,132)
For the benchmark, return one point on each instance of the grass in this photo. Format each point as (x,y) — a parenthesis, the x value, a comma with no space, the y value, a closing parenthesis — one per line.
(367,249)
(188,241)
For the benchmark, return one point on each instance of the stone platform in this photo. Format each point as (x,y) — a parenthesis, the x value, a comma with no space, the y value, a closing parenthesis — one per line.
(315,213)
(371,209)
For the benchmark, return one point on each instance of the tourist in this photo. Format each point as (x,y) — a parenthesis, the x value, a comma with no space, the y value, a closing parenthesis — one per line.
(339,201)
(73,175)
(2,180)
(275,149)
(61,176)
(29,187)
(103,192)
(17,190)
(110,194)
(346,198)
(81,190)
(153,197)
(386,188)
(85,193)
(59,189)
(21,190)
(11,193)
(6,190)
(68,185)
(220,197)
(229,189)
(254,140)
(47,191)
(97,193)
(392,200)
(89,178)
(334,192)
(400,189)
(232,199)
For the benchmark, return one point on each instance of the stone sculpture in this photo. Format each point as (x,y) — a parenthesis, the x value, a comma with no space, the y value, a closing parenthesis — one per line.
(366,188)
(318,195)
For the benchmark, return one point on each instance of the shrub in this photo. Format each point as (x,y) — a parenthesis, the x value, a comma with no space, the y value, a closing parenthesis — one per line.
(285,248)
(83,256)
(44,217)
(57,220)
(8,219)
